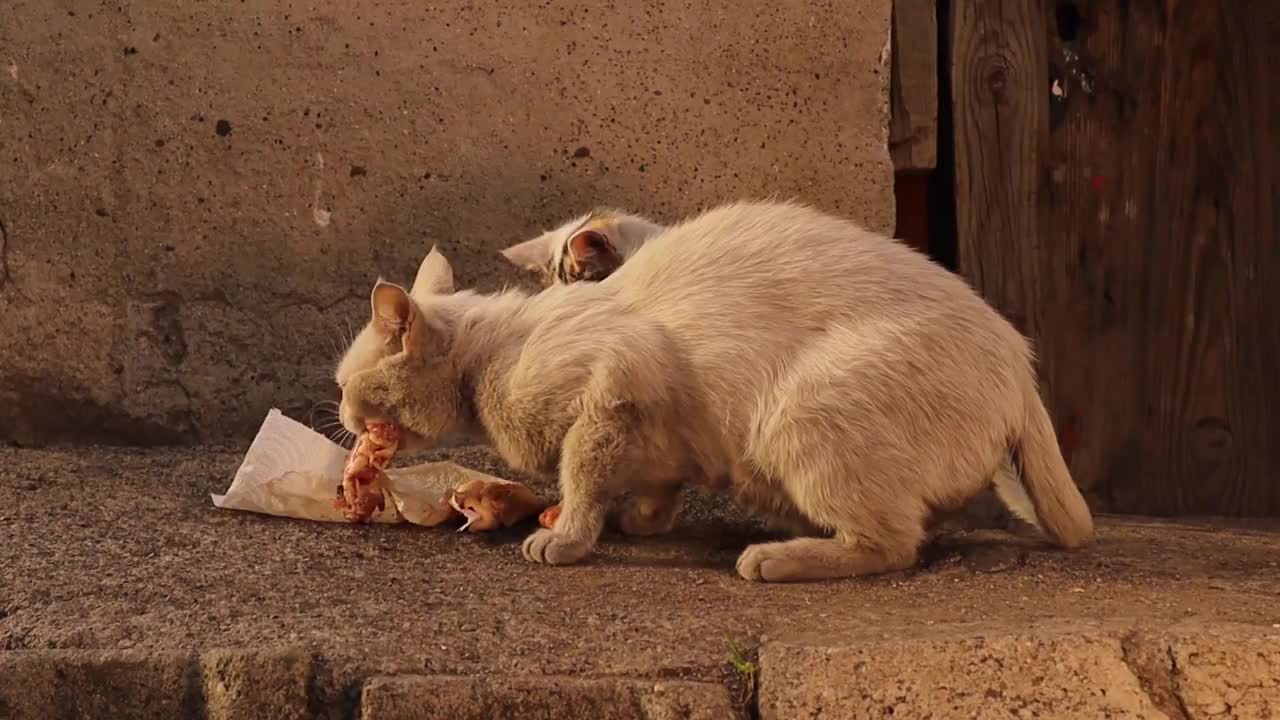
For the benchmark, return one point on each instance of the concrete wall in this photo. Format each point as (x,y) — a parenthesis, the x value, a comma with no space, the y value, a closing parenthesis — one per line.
(196,197)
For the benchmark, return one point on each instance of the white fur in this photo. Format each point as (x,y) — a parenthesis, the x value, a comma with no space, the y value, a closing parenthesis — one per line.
(839,379)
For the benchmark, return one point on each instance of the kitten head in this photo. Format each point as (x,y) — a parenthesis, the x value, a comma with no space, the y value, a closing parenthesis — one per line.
(397,369)
(587,248)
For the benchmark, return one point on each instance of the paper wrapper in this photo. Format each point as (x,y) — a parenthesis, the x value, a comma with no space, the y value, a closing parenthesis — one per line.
(294,471)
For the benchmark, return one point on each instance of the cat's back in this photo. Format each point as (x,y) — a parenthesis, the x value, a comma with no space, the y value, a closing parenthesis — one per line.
(745,289)
(578,330)
(776,260)
(570,325)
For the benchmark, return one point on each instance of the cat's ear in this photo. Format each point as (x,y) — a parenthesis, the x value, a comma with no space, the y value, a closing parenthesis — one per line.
(393,310)
(435,276)
(532,254)
(594,253)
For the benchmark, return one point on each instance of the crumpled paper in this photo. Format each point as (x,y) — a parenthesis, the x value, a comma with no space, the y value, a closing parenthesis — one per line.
(293,471)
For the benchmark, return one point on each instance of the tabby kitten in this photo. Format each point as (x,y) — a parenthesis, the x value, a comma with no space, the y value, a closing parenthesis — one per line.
(587,248)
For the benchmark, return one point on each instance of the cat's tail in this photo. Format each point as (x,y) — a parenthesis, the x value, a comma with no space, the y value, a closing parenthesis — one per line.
(1036,485)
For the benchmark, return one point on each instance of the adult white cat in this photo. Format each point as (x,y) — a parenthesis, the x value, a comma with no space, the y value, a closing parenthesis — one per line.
(830,372)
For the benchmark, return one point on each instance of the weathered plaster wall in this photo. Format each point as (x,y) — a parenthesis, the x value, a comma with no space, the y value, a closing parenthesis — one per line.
(196,197)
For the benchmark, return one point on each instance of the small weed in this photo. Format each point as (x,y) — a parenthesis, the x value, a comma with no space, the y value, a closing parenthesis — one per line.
(746,669)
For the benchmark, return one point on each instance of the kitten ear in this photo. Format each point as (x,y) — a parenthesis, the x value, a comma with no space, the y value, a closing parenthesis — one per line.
(392,310)
(532,254)
(593,254)
(586,244)
(435,276)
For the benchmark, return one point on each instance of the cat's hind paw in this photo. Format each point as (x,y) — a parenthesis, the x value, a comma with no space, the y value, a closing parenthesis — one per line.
(819,559)
(645,516)
(552,548)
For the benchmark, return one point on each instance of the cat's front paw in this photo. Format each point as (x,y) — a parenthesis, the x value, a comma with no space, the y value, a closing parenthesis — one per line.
(763,562)
(552,548)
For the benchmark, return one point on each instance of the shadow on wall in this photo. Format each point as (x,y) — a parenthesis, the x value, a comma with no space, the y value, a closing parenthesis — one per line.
(269,348)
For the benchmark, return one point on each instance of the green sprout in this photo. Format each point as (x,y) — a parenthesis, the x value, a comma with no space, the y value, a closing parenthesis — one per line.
(746,669)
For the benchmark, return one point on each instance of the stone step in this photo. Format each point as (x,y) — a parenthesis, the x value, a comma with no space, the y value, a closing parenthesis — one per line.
(1225,671)
(281,684)
(543,698)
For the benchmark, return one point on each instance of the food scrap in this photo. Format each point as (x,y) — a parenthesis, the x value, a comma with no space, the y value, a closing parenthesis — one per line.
(290,471)
(489,504)
(360,494)
(549,517)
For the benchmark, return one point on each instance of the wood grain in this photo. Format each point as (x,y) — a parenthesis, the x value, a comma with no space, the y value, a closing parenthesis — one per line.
(1001,136)
(1116,197)
(913,87)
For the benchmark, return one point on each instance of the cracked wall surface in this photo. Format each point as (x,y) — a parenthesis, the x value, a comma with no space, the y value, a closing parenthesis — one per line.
(196,197)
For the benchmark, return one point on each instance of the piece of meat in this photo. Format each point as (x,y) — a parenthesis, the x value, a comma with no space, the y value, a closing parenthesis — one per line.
(490,504)
(360,494)
(549,517)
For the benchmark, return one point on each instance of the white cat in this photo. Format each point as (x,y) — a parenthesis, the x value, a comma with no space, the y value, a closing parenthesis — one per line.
(830,372)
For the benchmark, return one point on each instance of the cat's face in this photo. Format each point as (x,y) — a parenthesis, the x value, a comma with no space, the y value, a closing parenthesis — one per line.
(588,248)
(397,368)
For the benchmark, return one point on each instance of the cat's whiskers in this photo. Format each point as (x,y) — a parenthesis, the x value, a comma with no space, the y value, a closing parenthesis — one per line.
(345,437)
(344,337)
(311,416)
(324,418)
(323,405)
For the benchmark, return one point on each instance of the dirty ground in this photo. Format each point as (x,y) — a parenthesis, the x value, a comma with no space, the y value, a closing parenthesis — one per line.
(105,548)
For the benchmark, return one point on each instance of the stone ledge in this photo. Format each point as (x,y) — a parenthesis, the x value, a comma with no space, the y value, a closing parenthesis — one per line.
(1226,677)
(532,698)
(239,685)
(277,683)
(120,685)
(218,685)
(1227,673)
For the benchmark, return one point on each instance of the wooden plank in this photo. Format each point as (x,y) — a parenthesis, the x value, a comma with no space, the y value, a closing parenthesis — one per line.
(1001,133)
(1213,241)
(913,86)
(1116,179)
